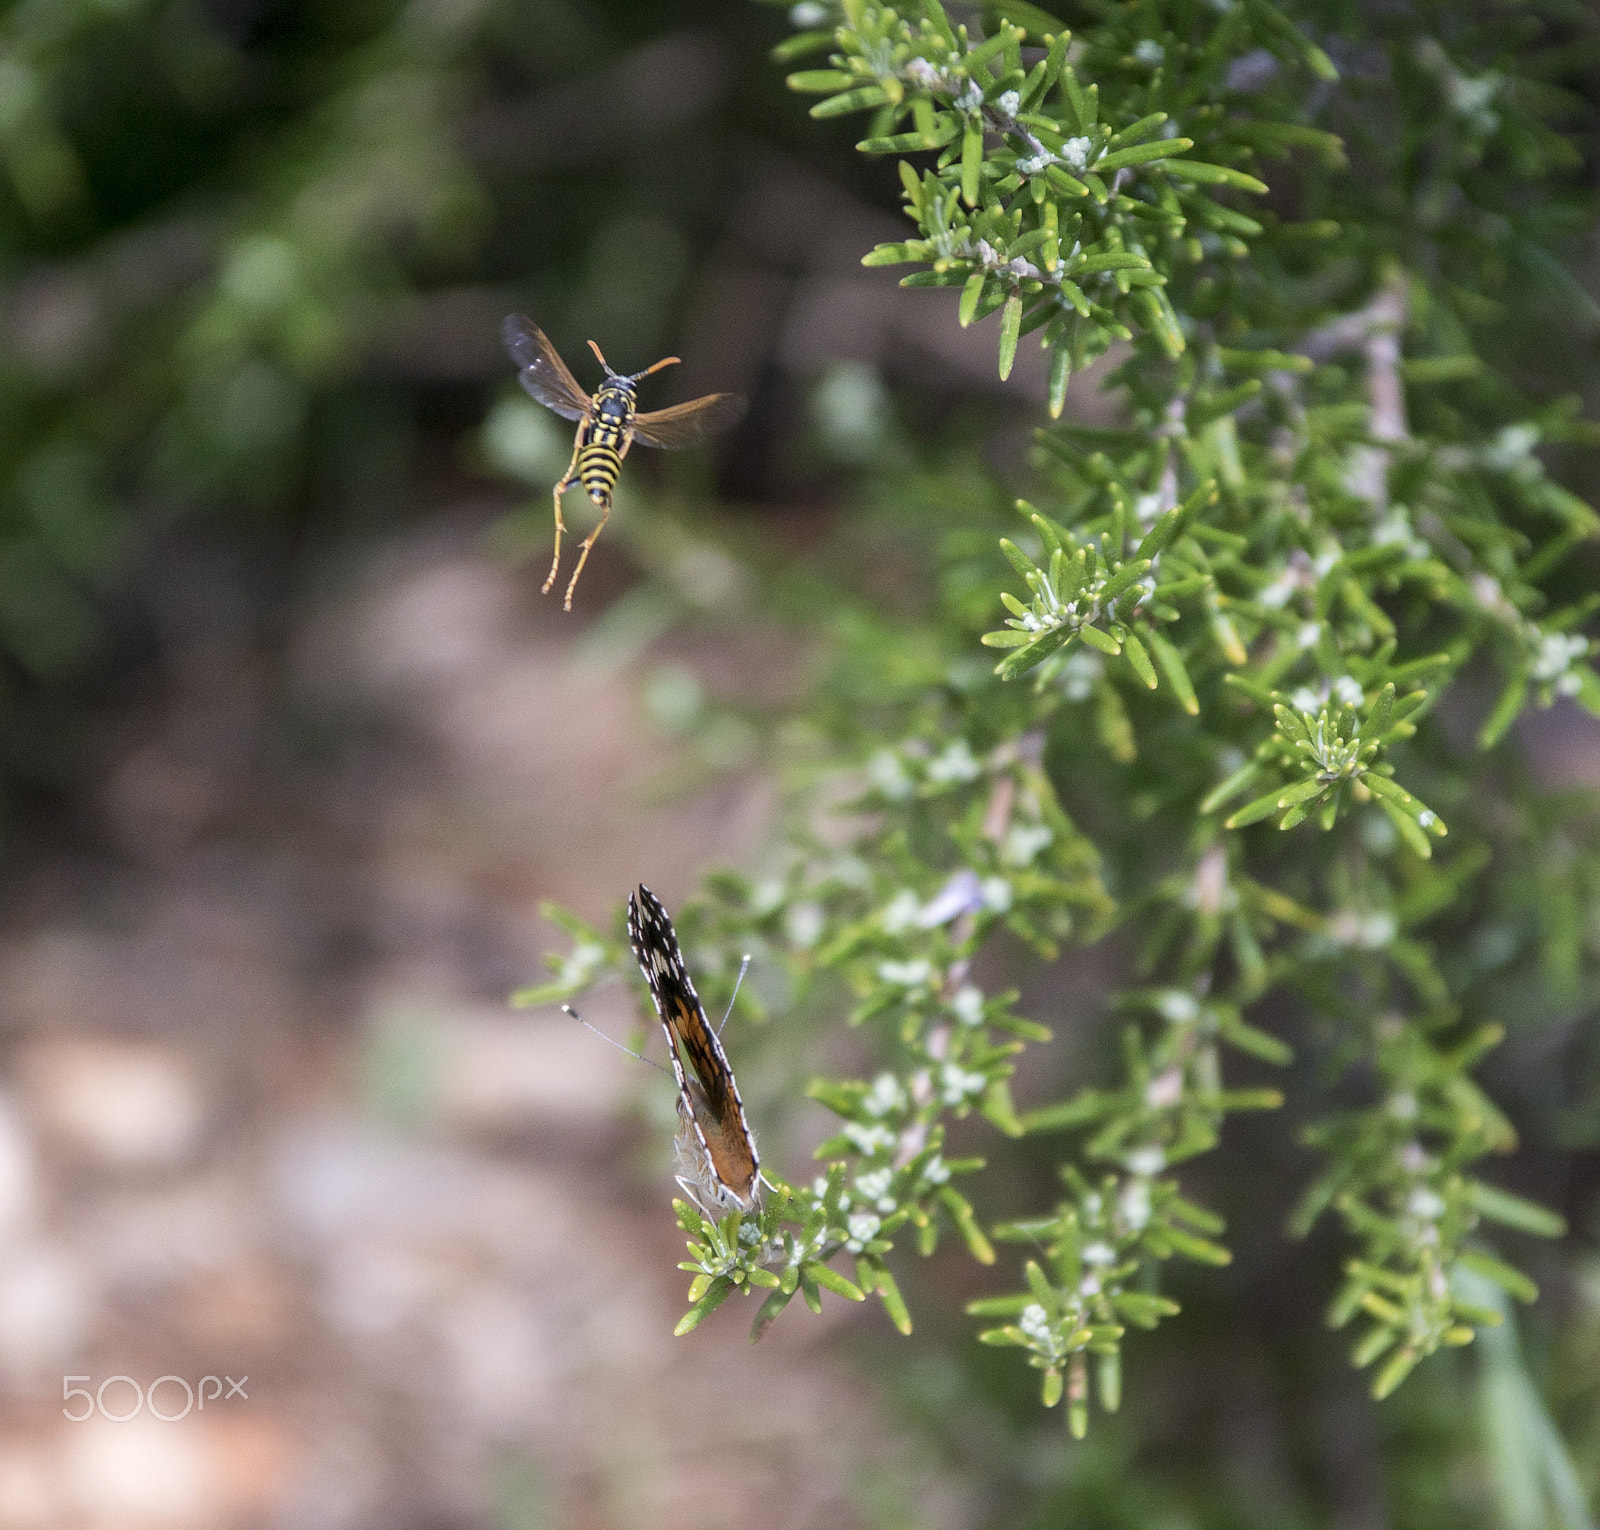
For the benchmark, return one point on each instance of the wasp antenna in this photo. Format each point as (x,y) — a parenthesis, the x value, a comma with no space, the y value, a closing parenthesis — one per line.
(637,1056)
(602,360)
(666,361)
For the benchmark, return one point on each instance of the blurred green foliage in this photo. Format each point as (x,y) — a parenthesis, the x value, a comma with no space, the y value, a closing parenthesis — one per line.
(254,253)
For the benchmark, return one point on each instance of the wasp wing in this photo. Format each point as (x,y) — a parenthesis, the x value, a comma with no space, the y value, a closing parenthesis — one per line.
(544,374)
(688,424)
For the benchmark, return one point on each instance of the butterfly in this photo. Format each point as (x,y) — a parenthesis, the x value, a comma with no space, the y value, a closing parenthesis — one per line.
(716,1148)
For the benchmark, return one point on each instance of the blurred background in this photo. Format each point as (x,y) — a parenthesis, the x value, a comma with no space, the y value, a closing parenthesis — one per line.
(291,750)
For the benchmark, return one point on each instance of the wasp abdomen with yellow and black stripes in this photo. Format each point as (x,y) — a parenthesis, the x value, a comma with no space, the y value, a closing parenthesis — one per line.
(608,423)
(603,443)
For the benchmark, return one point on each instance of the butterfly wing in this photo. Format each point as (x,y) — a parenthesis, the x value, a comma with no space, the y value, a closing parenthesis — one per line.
(543,373)
(711,1098)
(688,424)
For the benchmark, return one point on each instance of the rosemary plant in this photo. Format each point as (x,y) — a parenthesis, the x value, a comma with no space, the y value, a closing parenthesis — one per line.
(1270,634)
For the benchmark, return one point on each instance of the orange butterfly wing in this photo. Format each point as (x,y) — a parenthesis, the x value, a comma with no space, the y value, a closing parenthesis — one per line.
(711,1098)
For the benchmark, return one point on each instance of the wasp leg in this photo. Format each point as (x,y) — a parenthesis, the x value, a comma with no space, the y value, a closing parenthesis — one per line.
(583,552)
(564,483)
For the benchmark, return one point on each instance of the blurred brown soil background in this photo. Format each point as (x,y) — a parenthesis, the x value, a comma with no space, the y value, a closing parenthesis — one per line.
(270,1117)
(265,1112)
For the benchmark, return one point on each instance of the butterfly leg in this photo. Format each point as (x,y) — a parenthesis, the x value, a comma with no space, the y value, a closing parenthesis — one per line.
(583,552)
(705,1203)
(692,1190)
(564,483)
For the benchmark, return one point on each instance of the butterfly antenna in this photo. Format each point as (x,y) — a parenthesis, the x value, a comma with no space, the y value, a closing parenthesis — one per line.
(744,967)
(637,1056)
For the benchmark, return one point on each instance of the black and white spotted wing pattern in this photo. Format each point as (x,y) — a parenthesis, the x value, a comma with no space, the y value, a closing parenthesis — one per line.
(714,1140)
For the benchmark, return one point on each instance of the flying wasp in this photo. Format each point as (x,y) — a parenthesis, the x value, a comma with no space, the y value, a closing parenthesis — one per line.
(608,424)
